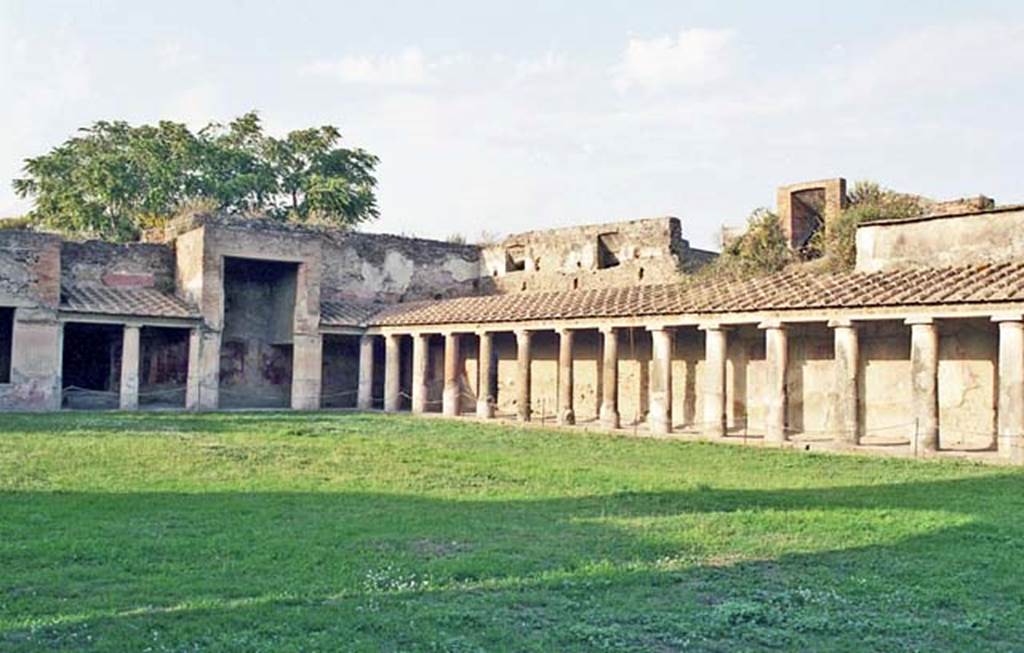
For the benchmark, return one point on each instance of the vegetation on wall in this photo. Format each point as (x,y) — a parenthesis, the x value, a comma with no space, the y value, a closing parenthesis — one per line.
(113,180)
(866,201)
(761,249)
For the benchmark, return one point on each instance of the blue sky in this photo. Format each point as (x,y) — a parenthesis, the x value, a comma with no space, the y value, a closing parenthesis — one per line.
(503,117)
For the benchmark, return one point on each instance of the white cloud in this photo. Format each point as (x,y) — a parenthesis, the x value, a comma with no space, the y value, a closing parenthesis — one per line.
(408,68)
(174,55)
(551,64)
(696,56)
(938,59)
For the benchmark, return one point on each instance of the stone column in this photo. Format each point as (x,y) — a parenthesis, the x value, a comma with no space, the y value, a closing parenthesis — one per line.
(847,369)
(777,359)
(203,385)
(485,398)
(610,379)
(924,369)
(660,381)
(364,397)
(452,389)
(715,344)
(523,409)
(1010,408)
(307,371)
(130,351)
(566,415)
(392,371)
(420,349)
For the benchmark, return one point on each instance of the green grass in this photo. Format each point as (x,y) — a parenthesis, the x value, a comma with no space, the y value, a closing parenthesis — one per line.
(313,532)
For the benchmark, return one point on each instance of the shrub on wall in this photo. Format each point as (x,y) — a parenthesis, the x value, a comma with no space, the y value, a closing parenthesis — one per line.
(866,201)
(761,249)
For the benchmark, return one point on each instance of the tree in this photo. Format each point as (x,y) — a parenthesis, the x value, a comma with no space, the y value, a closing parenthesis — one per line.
(113,180)
(761,249)
(866,201)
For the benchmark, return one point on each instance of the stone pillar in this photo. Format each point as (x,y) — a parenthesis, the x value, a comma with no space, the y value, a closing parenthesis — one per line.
(847,369)
(610,379)
(307,371)
(1010,408)
(392,371)
(452,388)
(660,381)
(715,352)
(130,351)
(485,390)
(924,369)
(523,409)
(203,385)
(777,359)
(566,415)
(364,396)
(420,349)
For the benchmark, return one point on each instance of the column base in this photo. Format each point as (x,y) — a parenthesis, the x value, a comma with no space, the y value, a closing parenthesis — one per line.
(450,403)
(567,418)
(609,418)
(484,409)
(659,426)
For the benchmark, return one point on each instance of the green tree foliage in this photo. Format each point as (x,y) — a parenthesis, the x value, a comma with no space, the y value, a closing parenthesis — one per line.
(866,201)
(761,249)
(113,180)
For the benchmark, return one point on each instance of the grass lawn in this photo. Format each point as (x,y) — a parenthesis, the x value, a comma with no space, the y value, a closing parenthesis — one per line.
(322,532)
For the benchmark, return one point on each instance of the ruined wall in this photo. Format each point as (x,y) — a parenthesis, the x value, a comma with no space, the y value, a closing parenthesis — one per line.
(163,367)
(613,254)
(968,384)
(379,267)
(136,265)
(30,284)
(340,371)
(992,236)
(256,352)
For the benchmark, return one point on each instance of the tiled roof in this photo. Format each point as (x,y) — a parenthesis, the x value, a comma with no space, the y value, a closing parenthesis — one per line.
(137,302)
(347,313)
(984,283)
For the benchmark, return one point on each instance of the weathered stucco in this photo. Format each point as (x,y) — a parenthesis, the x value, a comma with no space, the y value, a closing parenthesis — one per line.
(995,235)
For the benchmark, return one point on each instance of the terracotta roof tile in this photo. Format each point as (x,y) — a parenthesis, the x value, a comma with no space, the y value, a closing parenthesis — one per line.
(784,291)
(347,313)
(138,302)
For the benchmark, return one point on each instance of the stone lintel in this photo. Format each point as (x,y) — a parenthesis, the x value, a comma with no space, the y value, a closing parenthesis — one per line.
(911,321)
(1008,317)
(841,323)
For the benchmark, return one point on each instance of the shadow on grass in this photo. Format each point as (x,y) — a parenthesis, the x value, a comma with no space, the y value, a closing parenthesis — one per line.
(922,565)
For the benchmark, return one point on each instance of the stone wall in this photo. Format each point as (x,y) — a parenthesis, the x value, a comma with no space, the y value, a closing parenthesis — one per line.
(136,265)
(990,236)
(30,284)
(592,256)
(387,268)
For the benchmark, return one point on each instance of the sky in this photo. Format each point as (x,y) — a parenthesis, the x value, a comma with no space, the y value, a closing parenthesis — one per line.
(498,117)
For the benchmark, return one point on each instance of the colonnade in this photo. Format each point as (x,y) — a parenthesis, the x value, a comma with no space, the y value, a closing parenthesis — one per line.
(845,394)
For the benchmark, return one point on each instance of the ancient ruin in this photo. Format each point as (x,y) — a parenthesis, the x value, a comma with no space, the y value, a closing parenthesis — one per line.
(920,350)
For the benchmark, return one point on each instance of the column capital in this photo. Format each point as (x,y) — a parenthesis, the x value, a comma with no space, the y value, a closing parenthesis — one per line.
(607,329)
(1008,317)
(915,321)
(565,330)
(660,327)
(711,326)
(772,324)
(841,323)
